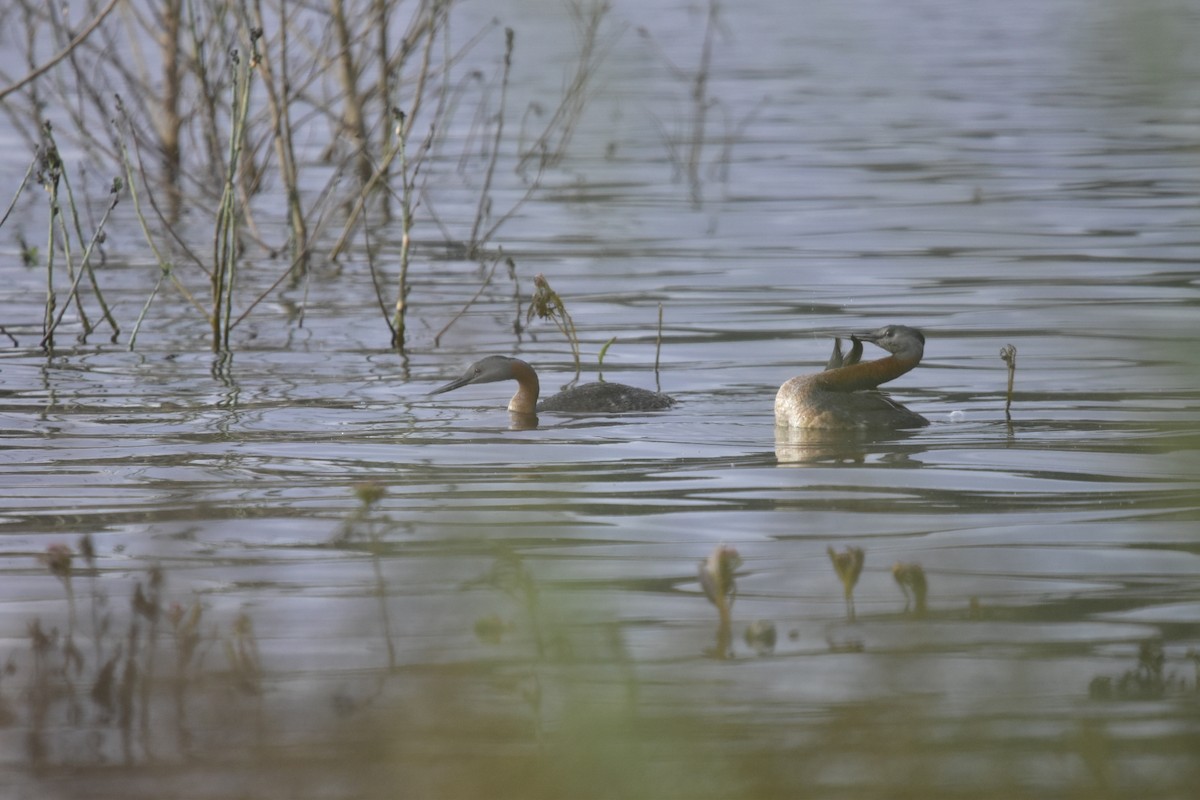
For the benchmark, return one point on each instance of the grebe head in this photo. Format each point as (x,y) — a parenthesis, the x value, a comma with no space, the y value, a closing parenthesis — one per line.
(486,370)
(900,340)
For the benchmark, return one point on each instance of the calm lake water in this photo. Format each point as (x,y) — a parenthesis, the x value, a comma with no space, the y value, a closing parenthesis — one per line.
(519,614)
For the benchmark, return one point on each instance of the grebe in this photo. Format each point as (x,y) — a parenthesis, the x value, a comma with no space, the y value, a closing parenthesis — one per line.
(836,398)
(596,398)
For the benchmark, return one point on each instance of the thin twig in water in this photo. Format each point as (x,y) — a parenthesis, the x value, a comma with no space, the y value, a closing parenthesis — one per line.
(486,281)
(485,193)
(60,55)
(1009,354)
(658,347)
(398,325)
(87,253)
(20,189)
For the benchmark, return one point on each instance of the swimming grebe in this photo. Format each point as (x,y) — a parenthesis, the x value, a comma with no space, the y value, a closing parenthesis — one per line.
(836,398)
(596,398)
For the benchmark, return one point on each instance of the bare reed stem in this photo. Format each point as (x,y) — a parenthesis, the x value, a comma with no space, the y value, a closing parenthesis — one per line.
(117,187)
(701,104)
(658,347)
(60,55)
(85,265)
(406,208)
(225,239)
(1009,354)
(437,339)
(485,193)
(169,121)
(352,122)
(165,267)
(49,174)
(281,130)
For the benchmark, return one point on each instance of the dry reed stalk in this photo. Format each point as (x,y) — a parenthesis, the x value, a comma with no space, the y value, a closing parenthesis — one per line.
(483,210)
(1008,354)
(352,123)
(281,133)
(169,121)
(398,325)
(49,64)
(225,236)
(166,268)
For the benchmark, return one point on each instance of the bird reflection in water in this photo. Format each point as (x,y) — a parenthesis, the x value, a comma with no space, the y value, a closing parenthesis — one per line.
(717,580)
(848,565)
(911,580)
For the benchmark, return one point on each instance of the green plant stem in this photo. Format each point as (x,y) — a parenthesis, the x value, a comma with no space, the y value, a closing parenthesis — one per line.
(116,198)
(658,346)
(225,235)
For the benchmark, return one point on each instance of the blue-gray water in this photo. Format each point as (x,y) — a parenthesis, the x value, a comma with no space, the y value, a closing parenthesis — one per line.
(1019,174)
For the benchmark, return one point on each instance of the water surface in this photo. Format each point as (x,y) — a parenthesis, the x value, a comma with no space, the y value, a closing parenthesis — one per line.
(519,614)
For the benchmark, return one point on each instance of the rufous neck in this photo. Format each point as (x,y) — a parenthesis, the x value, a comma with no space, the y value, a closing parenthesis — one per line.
(866,375)
(525,400)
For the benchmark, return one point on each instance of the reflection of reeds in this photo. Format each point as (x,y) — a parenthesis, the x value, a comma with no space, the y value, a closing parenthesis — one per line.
(115,686)
(1149,679)
(241,651)
(717,579)
(364,520)
(147,603)
(848,565)
(185,628)
(911,580)
(510,576)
